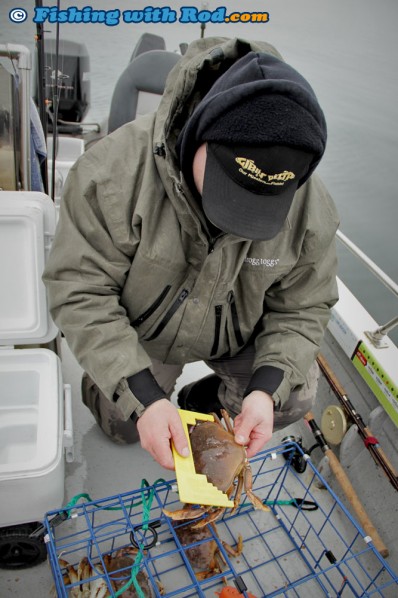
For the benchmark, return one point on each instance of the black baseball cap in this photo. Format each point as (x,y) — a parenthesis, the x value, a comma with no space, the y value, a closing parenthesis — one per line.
(248,191)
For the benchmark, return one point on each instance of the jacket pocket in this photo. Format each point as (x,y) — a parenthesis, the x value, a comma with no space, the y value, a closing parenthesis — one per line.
(152,308)
(217,330)
(235,319)
(169,314)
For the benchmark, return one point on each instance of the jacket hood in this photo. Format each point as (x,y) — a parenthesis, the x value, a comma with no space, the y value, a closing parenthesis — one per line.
(188,82)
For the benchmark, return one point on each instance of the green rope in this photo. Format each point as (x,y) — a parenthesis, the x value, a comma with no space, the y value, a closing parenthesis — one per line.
(271,503)
(146,509)
(133,578)
(72,503)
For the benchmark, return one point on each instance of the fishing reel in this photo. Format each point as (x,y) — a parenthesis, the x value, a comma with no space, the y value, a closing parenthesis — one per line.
(297,459)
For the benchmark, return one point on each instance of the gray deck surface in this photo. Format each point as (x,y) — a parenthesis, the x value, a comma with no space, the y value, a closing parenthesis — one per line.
(102,469)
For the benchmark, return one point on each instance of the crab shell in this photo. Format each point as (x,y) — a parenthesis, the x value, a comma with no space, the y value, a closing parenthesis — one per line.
(119,569)
(202,553)
(202,550)
(216,454)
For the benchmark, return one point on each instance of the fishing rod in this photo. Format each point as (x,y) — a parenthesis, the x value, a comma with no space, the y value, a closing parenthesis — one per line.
(41,86)
(204,6)
(371,443)
(55,103)
(346,486)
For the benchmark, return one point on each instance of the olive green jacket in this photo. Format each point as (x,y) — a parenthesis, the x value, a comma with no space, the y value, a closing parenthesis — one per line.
(133,274)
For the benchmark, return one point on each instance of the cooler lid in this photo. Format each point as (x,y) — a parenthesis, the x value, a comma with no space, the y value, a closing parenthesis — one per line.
(27,226)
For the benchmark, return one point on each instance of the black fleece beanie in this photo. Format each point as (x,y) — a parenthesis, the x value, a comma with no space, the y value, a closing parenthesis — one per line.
(260,101)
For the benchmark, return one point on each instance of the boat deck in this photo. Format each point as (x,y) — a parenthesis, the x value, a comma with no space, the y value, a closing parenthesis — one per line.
(103,469)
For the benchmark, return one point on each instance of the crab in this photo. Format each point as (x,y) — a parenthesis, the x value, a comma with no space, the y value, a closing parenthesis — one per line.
(222,460)
(203,551)
(84,585)
(119,569)
(90,581)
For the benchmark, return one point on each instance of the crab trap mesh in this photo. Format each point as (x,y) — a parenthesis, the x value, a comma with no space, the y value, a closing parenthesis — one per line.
(306,545)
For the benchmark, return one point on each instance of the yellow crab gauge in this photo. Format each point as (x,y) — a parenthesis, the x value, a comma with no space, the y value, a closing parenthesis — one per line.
(194,488)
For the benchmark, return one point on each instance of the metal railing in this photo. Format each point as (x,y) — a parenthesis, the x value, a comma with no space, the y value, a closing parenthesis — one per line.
(375,336)
(22,57)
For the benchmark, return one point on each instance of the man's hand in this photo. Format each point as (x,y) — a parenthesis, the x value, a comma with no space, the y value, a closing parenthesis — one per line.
(253,426)
(157,426)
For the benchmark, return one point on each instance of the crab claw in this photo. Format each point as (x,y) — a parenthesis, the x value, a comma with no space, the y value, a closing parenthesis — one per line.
(256,502)
(186,513)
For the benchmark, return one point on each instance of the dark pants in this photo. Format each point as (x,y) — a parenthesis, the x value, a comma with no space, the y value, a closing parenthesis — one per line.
(235,373)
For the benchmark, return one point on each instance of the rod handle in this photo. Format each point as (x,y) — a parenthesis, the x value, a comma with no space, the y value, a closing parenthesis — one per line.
(351,495)
(353,499)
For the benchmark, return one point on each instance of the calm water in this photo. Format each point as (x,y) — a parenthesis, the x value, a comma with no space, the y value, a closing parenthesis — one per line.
(349,53)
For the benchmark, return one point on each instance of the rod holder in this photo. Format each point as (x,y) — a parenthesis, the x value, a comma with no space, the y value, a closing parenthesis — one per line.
(376,337)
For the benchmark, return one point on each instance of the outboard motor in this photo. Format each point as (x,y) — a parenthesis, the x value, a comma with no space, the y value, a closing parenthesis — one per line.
(72,79)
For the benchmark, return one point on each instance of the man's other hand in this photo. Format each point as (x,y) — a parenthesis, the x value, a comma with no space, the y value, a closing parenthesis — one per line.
(253,426)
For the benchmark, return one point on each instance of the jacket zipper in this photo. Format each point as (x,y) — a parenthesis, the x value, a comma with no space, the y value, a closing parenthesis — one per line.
(152,308)
(212,242)
(218,311)
(169,314)
(235,319)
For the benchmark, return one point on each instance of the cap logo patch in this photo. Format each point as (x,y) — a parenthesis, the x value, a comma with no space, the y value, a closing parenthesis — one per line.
(249,168)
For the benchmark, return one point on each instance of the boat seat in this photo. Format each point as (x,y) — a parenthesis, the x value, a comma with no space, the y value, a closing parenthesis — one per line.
(140,87)
(147,42)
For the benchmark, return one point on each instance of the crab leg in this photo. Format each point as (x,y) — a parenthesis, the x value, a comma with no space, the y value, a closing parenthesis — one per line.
(84,573)
(238,493)
(234,551)
(98,587)
(213,569)
(227,420)
(73,578)
(248,482)
(211,516)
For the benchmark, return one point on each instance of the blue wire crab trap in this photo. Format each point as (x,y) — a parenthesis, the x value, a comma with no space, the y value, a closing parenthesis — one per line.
(306,545)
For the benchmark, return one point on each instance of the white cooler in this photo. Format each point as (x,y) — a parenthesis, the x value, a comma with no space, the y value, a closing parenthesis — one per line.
(33,434)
